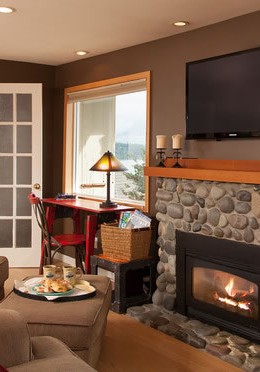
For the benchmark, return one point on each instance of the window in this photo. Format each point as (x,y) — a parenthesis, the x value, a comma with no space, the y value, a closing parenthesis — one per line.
(108,115)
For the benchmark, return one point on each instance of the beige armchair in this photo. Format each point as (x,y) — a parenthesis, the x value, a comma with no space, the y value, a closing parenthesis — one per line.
(4,273)
(20,352)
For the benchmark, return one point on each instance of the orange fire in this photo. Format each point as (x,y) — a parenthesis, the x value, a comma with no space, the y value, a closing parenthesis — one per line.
(235,296)
(229,288)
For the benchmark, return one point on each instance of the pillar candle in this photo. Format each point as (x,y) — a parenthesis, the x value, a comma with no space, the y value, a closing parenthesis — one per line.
(161,141)
(177,141)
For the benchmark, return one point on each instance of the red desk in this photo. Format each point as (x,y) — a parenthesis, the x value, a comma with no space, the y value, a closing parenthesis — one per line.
(93,218)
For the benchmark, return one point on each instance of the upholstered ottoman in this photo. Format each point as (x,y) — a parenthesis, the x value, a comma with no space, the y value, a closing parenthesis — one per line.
(4,273)
(79,324)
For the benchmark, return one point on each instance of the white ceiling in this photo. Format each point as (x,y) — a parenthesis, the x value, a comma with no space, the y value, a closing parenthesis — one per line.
(50,31)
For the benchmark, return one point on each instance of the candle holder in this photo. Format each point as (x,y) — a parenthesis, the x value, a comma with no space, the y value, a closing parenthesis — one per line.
(176,155)
(160,155)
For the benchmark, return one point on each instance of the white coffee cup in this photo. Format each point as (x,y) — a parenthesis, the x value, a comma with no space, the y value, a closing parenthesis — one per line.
(71,274)
(50,271)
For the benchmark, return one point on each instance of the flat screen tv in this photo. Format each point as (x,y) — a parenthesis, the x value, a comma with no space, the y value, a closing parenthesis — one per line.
(223,96)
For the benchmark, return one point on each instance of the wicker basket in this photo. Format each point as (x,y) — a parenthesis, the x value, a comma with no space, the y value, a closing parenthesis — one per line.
(126,244)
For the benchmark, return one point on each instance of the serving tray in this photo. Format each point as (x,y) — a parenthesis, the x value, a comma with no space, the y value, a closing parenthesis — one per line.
(26,288)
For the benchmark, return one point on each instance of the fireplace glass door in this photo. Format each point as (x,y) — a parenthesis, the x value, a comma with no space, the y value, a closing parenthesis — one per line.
(218,282)
(225,290)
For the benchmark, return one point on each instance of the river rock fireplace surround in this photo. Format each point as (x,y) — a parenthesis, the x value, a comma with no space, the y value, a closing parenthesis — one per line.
(212,228)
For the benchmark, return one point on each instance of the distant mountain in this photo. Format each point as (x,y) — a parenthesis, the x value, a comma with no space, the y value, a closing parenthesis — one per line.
(126,151)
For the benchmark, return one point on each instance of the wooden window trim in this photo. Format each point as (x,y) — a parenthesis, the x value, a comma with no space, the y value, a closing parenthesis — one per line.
(68,140)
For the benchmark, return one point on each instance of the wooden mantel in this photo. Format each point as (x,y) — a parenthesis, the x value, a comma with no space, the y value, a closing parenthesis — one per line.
(239,171)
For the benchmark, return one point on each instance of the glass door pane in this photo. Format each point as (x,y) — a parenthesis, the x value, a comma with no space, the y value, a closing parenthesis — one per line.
(20,167)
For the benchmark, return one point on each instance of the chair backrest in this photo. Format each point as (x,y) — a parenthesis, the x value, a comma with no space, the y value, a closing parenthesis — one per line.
(40,215)
(39,212)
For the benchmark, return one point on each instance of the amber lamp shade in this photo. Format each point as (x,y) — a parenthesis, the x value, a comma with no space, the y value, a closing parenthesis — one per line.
(108,163)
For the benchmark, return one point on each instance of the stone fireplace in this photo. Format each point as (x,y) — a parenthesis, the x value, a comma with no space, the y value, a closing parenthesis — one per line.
(220,212)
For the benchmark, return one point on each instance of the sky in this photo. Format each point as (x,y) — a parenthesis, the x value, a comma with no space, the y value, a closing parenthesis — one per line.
(131,118)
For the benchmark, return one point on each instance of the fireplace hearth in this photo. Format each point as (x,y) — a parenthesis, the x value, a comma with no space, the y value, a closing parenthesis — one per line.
(217,281)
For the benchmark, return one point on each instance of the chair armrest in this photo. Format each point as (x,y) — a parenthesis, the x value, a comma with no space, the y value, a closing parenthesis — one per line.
(15,345)
(4,270)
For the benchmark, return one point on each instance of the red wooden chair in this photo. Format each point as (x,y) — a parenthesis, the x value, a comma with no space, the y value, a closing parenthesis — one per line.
(51,244)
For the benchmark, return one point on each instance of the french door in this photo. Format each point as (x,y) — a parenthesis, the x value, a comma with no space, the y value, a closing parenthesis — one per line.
(20,171)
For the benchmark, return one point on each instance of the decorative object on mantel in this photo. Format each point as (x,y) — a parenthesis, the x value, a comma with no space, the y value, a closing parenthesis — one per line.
(161,146)
(177,141)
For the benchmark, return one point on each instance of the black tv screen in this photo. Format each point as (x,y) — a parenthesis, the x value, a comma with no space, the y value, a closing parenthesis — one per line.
(223,96)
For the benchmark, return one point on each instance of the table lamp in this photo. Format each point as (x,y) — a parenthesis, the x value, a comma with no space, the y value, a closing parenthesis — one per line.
(108,163)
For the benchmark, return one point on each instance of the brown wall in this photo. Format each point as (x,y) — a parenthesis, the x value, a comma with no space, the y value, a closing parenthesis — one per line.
(20,72)
(166,59)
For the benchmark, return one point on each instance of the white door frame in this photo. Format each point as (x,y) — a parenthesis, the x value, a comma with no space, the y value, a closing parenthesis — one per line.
(29,256)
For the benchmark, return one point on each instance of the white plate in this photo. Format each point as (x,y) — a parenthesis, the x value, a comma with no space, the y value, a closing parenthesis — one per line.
(51,293)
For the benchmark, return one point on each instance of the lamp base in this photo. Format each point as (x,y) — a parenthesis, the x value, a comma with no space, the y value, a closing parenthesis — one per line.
(108,204)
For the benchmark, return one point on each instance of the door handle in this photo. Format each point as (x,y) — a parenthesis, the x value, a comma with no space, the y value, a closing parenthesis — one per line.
(37,186)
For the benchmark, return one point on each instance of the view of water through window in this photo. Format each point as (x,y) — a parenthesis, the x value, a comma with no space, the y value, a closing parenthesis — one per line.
(117,124)
(130,136)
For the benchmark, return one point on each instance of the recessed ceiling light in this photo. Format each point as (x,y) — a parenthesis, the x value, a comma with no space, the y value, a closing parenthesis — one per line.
(6,9)
(81,52)
(181,23)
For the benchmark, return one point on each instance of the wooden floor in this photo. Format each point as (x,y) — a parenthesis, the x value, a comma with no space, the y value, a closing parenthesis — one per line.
(130,346)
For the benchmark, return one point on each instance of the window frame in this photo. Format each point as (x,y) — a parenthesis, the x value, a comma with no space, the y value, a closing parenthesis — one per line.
(68,138)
